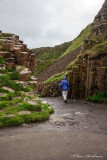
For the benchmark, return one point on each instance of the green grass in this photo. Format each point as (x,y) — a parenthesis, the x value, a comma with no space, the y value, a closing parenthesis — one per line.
(4,90)
(78,41)
(13,103)
(15,76)
(2,61)
(96,49)
(6,35)
(6,104)
(72,65)
(56,77)
(45,56)
(5,80)
(98,98)
(37,115)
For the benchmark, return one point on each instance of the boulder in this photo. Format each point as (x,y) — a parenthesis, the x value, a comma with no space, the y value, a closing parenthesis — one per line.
(5,54)
(10,62)
(25,74)
(9,89)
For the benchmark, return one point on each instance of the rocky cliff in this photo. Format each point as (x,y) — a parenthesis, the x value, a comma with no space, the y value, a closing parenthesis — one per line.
(15,52)
(88,73)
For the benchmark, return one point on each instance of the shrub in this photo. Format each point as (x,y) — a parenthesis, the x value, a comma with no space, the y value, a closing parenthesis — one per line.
(3,71)
(15,75)
(2,61)
(98,98)
(4,90)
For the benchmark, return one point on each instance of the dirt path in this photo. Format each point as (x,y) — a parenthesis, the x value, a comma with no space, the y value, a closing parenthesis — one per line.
(77,130)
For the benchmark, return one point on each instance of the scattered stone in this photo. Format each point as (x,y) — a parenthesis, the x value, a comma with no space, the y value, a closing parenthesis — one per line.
(85,102)
(32,102)
(19,68)
(78,113)
(5,54)
(50,107)
(73,123)
(16,97)
(25,125)
(9,115)
(23,84)
(3,94)
(2,66)
(31,94)
(33,78)
(9,89)
(44,102)
(74,100)
(33,83)
(26,99)
(24,112)
(25,74)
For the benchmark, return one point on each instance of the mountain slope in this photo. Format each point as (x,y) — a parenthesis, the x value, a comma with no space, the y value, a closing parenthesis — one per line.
(67,57)
(58,66)
(45,56)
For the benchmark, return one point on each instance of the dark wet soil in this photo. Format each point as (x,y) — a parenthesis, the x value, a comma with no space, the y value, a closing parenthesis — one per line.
(76,115)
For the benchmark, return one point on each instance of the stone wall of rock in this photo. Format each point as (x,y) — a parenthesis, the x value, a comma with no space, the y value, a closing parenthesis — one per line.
(15,52)
(89,78)
(49,89)
(89,75)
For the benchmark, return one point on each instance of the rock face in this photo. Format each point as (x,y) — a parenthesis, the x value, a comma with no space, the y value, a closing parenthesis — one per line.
(15,52)
(49,89)
(89,75)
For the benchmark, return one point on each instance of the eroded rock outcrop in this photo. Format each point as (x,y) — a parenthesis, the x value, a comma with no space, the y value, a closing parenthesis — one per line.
(88,75)
(15,52)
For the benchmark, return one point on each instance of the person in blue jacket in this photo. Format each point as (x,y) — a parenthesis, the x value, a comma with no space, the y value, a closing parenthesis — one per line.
(65,86)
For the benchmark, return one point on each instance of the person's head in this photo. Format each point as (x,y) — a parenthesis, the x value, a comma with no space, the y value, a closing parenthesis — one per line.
(64,78)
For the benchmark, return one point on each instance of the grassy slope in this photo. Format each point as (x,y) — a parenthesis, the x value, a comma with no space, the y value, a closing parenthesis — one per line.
(13,103)
(45,56)
(77,42)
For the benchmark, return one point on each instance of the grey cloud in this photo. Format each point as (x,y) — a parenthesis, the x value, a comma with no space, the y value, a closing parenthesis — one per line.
(47,22)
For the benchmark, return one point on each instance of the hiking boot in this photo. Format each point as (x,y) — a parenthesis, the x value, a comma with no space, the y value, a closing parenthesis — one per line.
(65,101)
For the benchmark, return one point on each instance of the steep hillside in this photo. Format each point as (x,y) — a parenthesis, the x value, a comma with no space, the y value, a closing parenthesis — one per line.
(69,55)
(15,52)
(45,56)
(18,102)
(87,74)
(58,66)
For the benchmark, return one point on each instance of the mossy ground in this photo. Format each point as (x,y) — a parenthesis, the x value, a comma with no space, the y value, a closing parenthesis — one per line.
(98,98)
(56,77)
(45,56)
(11,103)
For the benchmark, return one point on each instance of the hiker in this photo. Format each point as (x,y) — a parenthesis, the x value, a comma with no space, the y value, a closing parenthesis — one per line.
(65,86)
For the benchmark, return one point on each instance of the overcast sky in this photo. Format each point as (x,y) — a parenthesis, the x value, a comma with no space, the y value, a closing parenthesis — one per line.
(41,23)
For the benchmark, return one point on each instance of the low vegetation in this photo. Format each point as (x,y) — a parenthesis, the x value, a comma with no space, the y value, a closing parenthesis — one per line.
(45,56)
(15,107)
(98,98)
(2,61)
(56,77)
(77,42)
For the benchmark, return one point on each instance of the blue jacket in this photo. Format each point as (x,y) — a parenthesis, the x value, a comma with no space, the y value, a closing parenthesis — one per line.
(64,84)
